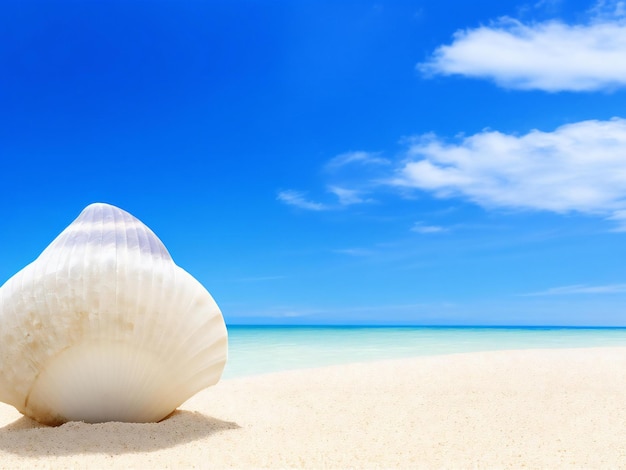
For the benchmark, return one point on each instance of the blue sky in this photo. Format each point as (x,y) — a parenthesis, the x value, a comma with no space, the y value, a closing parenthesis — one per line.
(348,162)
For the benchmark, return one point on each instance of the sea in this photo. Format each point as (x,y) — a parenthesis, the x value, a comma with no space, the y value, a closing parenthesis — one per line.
(257,350)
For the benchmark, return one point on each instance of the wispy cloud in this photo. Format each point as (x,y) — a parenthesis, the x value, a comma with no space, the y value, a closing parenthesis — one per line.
(347,196)
(362,158)
(259,278)
(349,176)
(581,289)
(608,10)
(420,227)
(620,218)
(354,252)
(550,56)
(578,167)
(298,199)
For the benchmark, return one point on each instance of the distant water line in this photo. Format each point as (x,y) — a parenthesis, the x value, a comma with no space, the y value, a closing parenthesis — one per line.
(262,349)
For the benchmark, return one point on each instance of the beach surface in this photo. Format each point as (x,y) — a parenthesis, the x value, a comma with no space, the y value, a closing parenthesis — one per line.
(559,408)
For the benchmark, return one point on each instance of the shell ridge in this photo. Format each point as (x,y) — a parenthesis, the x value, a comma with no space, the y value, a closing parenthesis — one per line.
(180,329)
(199,322)
(150,281)
(132,252)
(10,336)
(198,340)
(202,346)
(189,292)
(201,361)
(198,380)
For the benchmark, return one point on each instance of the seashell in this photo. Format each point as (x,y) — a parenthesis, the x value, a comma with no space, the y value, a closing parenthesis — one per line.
(103,326)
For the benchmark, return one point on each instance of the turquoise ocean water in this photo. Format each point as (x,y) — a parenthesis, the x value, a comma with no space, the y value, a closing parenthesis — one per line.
(262,349)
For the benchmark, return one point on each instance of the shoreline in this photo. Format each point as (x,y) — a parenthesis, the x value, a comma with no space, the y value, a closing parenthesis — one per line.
(561,408)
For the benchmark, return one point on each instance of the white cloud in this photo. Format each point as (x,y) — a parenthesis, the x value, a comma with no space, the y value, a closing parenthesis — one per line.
(363,158)
(346,196)
(298,199)
(419,227)
(550,56)
(579,167)
(581,289)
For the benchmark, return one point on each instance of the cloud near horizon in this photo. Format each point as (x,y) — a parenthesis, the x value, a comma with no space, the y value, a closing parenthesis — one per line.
(580,289)
(579,167)
(551,56)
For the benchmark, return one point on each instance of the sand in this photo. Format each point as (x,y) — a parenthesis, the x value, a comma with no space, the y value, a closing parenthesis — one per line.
(511,409)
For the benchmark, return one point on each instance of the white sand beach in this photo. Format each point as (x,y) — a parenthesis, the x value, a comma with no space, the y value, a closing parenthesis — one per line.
(534,408)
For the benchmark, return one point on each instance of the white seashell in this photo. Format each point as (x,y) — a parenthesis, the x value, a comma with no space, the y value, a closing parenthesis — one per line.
(103,326)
